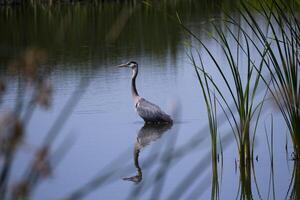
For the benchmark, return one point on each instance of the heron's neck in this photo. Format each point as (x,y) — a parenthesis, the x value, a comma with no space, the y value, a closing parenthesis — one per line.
(134,92)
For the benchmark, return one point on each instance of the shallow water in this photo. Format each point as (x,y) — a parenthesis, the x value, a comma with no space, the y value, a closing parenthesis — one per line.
(82,41)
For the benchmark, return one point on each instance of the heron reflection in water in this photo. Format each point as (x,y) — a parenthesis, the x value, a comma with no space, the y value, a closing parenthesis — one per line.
(147,134)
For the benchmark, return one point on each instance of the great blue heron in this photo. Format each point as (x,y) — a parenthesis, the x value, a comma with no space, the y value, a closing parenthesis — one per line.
(147,134)
(150,112)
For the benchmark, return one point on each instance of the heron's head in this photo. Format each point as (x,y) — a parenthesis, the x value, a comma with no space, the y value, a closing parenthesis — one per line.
(130,64)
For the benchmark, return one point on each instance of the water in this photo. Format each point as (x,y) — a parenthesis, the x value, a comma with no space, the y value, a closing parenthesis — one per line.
(88,41)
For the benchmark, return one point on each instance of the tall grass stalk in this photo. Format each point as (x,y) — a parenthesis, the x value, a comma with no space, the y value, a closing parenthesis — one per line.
(241,114)
(211,106)
(282,40)
(278,48)
(243,90)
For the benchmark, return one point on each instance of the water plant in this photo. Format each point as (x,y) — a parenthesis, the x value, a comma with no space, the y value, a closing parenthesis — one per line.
(242,91)
(239,99)
(211,106)
(276,49)
(282,40)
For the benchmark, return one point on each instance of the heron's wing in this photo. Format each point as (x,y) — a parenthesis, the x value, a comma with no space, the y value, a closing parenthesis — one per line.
(148,110)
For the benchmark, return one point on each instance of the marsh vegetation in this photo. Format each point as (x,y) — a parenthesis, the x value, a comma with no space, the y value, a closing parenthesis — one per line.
(67,125)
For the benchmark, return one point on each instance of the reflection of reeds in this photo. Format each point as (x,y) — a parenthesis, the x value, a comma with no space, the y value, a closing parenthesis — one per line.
(270,144)
(294,187)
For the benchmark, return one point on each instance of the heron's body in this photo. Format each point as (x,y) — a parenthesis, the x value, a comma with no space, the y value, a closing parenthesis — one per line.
(150,112)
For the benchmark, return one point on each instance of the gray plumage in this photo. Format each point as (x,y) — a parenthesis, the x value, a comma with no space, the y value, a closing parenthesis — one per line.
(150,112)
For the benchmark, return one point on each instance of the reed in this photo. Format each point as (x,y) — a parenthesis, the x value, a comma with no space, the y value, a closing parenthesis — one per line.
(211,106)
(282,40)
(277,47)
(245,110)
(243,105)
(243,90)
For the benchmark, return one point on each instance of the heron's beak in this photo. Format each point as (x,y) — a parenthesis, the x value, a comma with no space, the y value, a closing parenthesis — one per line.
(122,65)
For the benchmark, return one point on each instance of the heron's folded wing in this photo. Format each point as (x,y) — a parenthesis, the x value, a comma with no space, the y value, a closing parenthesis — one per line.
(147,109)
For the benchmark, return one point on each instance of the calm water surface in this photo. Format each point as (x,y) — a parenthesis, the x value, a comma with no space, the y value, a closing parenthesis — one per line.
(89,41)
